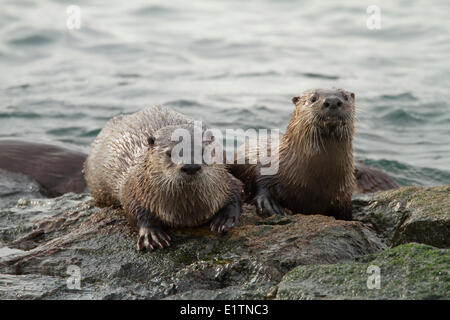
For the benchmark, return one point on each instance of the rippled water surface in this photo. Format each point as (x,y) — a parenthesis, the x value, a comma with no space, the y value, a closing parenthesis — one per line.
(233,64)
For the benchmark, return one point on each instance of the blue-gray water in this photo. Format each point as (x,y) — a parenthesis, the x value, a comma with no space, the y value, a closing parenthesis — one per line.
(233,64)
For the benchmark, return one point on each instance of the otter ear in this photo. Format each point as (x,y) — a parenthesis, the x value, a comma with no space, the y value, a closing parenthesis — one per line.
(351,94)
(295,100)
(151,141)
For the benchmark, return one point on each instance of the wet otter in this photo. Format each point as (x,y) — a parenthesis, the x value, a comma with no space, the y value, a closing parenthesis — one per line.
(369,179)
(130,164)
(316,168)
(56,169)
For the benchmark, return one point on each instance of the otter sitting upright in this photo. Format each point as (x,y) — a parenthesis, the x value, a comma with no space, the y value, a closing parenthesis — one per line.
(130,164)
(315,161)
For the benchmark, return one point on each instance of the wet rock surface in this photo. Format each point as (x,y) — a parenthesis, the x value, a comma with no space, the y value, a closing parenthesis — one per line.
(15,186)
(47,244)
(408,271)
(409,214)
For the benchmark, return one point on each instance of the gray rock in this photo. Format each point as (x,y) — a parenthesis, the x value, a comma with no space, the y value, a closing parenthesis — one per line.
(45,242)
(14,186)
(246,263)
(408,214)
(409,271)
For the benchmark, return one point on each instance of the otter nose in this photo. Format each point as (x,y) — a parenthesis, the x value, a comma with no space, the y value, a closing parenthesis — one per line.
(332,103)
(191,168)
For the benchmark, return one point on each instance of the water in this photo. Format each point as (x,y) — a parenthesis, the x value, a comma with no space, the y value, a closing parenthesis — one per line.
(233,64)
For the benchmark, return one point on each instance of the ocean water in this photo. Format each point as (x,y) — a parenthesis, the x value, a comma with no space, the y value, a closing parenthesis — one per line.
(234,64)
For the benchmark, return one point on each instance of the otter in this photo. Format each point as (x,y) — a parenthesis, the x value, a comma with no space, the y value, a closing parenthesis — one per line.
(130,165)
(316,171)
(56,169)
(369,179)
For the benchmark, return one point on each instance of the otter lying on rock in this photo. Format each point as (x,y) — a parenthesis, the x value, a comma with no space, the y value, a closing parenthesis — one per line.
(316,171)
(56,169)
(130,164)
(369,179)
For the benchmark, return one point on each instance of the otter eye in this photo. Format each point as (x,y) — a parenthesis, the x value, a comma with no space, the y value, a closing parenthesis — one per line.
(169,153)
(345,97)
(313,99)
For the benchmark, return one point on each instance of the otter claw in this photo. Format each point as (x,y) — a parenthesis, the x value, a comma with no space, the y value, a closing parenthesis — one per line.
(225,219)
(267,206)
(152,238)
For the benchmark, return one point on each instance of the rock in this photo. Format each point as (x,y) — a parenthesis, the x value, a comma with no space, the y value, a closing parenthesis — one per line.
(408,214)
(52,235)
(47,245)
(409,271)
(14,186)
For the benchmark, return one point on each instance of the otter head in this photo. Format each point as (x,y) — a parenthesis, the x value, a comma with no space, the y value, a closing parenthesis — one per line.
(327,112)
(177,152)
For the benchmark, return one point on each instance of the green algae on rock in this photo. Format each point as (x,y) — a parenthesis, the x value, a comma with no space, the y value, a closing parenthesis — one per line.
(409,271)
(301,256)
(246,263)
(408,214)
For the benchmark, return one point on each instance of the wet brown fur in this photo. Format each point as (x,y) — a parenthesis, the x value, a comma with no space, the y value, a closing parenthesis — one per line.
(316,172)
(56,169)
(370,179)
(122,169)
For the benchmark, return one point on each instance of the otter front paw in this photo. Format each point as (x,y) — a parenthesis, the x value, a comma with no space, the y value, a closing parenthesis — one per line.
(267,206)
(151,238)
(226,218)
(344,214)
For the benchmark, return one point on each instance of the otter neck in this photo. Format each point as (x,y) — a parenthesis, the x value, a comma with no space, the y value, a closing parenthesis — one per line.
(308,158)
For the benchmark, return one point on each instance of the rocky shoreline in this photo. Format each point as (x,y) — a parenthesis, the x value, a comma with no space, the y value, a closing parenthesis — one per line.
(403,232)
